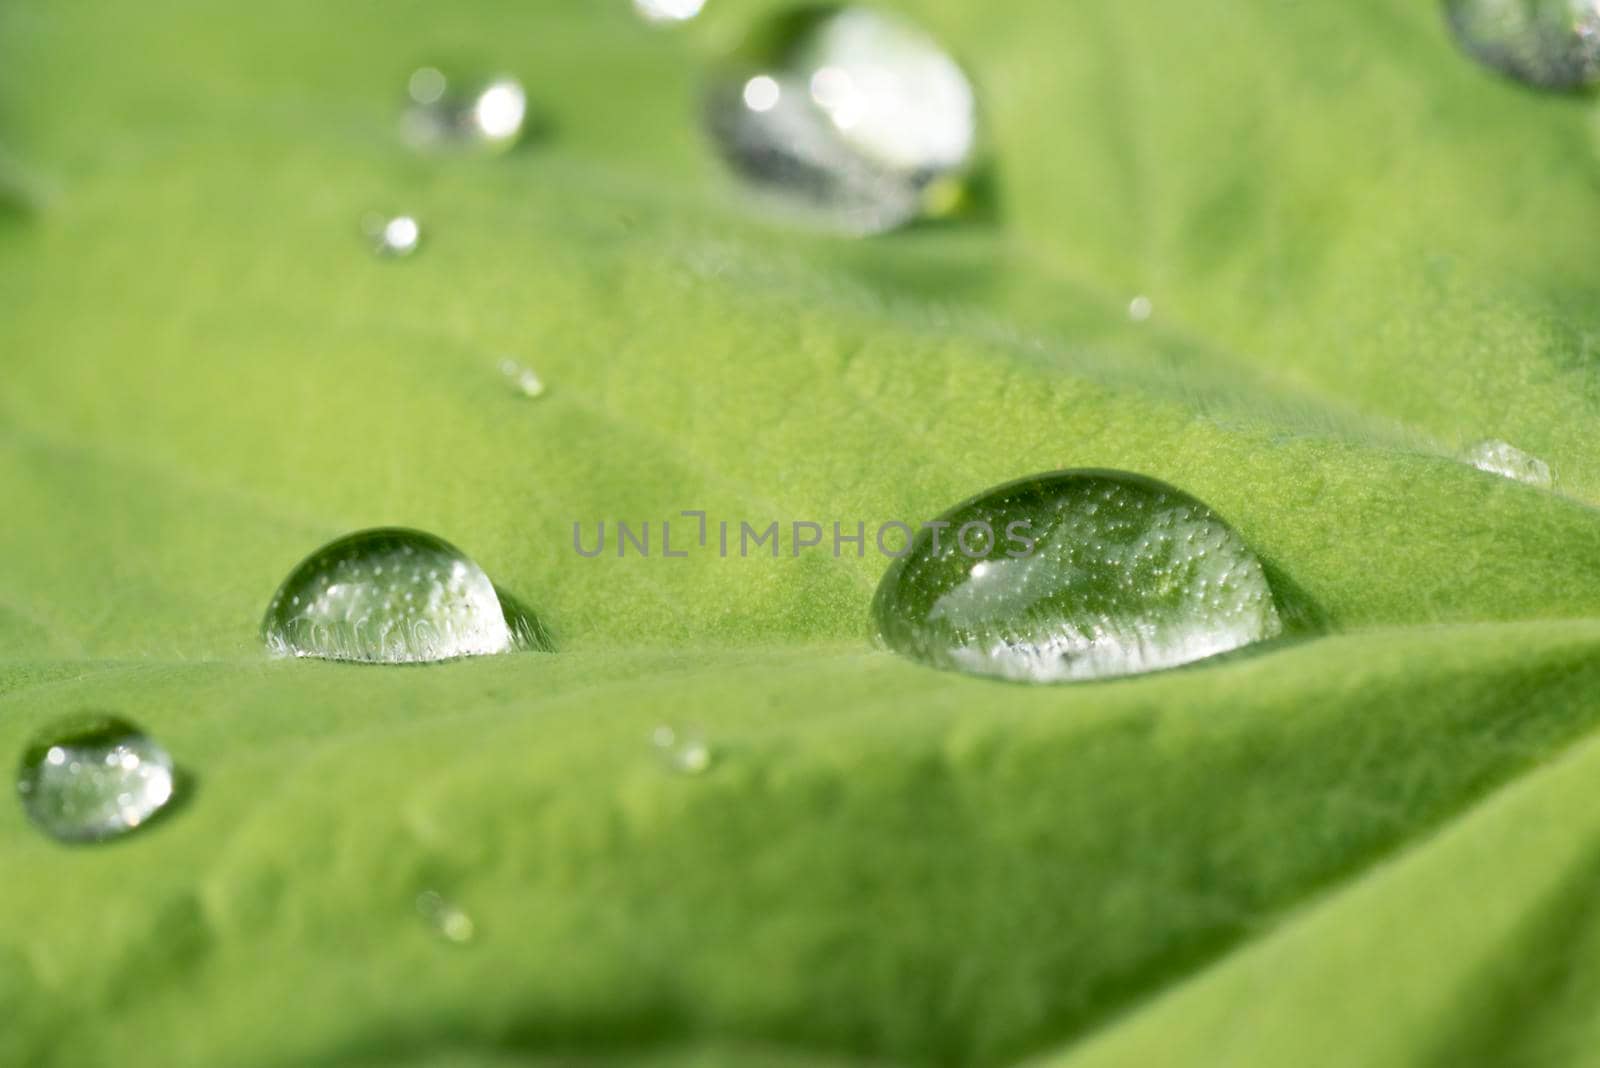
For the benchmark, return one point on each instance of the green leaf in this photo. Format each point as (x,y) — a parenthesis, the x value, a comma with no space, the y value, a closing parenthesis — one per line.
(1371,844)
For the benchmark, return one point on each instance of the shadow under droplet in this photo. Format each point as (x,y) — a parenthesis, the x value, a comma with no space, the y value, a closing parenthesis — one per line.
(527,632)
(1302,616)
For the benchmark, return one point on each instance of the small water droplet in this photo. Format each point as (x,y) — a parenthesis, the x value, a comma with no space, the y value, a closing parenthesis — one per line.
(93,778)
(396,236)
(684,749)
(1140,309)
(521,378)
(346,611)
(855,119)
(1504,459)
(660,11)
(1093,574)
(1553,44)
(458,115)
(449,920)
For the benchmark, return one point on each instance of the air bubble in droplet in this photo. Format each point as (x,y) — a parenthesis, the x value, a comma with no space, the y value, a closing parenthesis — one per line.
(94,777)
(1074,592)
(852,118)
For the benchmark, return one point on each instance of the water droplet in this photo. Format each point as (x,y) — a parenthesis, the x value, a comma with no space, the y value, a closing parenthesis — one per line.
(522,379)
(445,917)
(1075,575)
(392,236)
(1553,44)
(92,778)
(668,10)
(482,116)
(684,749)
(1140,309)
(429,602)
(1503,458)
(856,120)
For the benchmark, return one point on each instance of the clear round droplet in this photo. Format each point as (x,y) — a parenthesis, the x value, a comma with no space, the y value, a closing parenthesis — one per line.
(683,749)
(1553,44)
(448,920)
(668,11)
(1140,309)
(853,119)
(397,236)
(389,596)
(522,379)
(1504,459)
(93,778)
(446,114)
(1071,576)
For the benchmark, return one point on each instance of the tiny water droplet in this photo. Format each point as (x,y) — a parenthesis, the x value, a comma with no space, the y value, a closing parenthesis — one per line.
(449,920)
(1504,459)
(336,605)
(522,379)
(854,119)
(1553,44)
(456,115)
(684,749)
(93,778)
(662,11)
(1140,309)
(396,236)
(1087,575)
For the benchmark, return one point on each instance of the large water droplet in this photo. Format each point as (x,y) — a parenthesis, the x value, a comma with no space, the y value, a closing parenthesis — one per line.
(1554,44)
(93,778)
(472,116)
(389,596)
(855,119)
(1075,575)
(1504,459)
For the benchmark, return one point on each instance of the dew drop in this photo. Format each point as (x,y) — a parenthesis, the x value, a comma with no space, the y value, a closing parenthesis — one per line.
(1504,459)
(1140,309)
(1553,44)
(477,116)
(522,379)
(1089,575)
(396,236)
(855,120)
(430,602)
(448,919)
(667,11)
(94,777)
(683,749)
